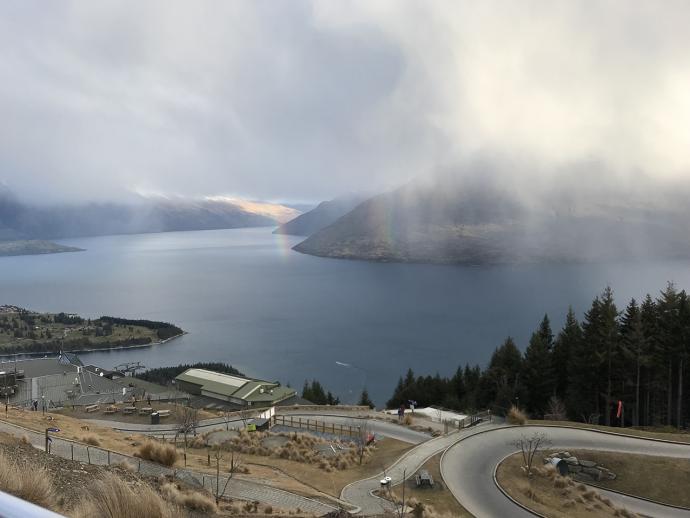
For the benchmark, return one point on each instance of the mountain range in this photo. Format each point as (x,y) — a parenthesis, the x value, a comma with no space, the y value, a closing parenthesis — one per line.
(22,221)
(464,220)
(323,215)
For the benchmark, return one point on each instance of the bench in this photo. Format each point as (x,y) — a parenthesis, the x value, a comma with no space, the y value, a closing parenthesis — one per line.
(424,478)
(111,410)
(164,413)
(129,410)
(91,408)
(145,410)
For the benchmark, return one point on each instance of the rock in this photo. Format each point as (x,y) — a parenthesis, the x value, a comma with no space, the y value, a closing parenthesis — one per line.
(574,469)
(571,460)
(593,472)
(587,463)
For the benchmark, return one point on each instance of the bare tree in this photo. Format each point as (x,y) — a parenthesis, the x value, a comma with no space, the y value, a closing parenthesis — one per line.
(235,464)
(529,447)
(399,507)
(188,418)
(557,410)
(363,438)
(228,414)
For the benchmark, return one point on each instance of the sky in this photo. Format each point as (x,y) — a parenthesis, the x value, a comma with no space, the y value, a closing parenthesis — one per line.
(303,101)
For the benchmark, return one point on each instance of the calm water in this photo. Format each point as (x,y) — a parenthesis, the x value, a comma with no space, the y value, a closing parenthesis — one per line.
(246,299)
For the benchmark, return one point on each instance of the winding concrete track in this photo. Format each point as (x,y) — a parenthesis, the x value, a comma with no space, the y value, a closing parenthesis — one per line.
(376,426)
(468,466)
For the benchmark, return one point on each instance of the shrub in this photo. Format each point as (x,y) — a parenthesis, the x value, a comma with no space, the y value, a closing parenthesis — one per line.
(516,416)
(560,482)
(111,497)
(407,419)
(268,510)
(161,453)
(91,439)
(196,501)
(27,482)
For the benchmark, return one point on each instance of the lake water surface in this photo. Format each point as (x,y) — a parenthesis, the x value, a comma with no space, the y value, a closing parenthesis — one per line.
(247,299)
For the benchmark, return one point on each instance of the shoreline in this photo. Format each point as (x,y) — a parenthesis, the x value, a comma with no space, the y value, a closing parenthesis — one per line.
(99,349)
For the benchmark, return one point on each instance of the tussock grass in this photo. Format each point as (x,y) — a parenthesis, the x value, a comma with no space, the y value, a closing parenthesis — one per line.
(300,447)
(194,500)
(28,482)
(162,453)
(91,439)
(516,416)
(112,497)
(407,419)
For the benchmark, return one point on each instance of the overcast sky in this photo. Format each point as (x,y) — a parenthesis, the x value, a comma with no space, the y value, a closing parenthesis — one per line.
(302,101)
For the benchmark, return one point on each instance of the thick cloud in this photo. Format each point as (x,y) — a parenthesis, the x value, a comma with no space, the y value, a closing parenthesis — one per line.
(301,100)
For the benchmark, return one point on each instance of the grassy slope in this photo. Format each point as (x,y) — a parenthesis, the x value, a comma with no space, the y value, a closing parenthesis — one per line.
(540,494)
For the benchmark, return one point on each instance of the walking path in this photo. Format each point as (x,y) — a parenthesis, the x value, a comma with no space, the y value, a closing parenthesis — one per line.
(236,488)
(377,426)
(360,493)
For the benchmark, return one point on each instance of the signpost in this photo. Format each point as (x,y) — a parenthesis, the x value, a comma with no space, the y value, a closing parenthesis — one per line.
(48,439)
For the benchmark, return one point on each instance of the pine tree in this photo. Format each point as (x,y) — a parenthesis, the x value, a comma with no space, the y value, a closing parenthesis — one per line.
(500,384)
(568,341)
(538,373)
(633,342)
(365,400)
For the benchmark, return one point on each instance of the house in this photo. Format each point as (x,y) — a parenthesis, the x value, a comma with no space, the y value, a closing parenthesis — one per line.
(238,391)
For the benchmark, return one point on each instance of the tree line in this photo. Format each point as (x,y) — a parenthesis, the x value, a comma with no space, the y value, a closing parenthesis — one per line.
(615,367)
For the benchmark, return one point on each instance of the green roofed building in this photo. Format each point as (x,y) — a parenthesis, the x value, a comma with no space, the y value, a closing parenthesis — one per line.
(233,389)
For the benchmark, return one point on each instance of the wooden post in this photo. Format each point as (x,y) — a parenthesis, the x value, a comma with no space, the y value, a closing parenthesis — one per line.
(88,455)
(72,448)
(108,457)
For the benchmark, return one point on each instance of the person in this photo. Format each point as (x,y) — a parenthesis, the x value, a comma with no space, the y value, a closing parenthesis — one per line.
(401,412)
(35,404)
(148,399)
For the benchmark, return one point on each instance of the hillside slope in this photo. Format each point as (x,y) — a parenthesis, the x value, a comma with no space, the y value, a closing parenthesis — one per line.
(325,214)
(24,221)
(475,222)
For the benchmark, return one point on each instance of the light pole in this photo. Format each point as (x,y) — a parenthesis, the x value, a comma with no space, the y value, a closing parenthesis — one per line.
(352,366)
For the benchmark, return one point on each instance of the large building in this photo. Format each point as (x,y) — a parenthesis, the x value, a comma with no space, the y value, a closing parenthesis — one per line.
(56,381)
(233,389)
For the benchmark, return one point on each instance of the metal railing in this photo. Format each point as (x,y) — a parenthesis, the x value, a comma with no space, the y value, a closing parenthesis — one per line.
(13,507)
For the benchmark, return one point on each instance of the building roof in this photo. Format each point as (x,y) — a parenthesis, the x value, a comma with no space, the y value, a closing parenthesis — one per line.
(240,388)
(37,367)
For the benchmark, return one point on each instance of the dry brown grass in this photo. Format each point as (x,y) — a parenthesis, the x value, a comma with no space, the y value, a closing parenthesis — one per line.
(438,499)
(112,497)
(162,453)
(193,500)
(407,420)
(516,416)
(663,479)
(91,439)
(552,495)
(28,483)
(300,447)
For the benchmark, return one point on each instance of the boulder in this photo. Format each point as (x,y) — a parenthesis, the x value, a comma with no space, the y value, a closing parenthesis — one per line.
(574,469)
(593,472)
(587,463)
(571,461)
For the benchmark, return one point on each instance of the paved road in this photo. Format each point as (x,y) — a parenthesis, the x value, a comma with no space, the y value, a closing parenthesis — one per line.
(360,494)
(468,467)
(384,428)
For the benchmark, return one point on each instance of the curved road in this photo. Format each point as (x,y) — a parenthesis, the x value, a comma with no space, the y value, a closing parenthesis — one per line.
(468,466)
(376,426)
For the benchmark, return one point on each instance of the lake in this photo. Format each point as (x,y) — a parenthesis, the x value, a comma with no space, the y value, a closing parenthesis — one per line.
(247,299)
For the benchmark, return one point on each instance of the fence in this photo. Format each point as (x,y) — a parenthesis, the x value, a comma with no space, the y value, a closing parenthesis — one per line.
(317,426)
(97,456)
